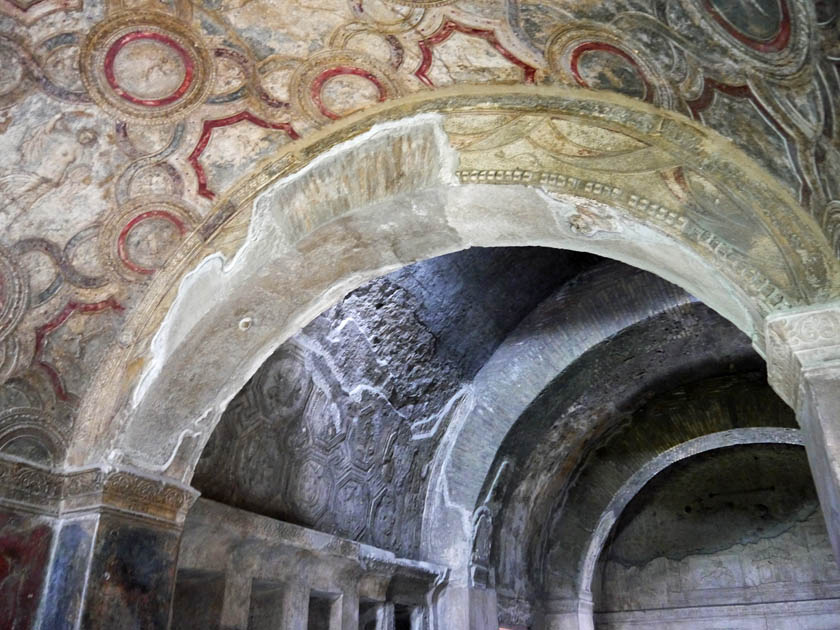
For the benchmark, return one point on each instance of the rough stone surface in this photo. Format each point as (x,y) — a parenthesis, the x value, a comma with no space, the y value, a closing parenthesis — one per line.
(733,526)
(671,426)
(362,395)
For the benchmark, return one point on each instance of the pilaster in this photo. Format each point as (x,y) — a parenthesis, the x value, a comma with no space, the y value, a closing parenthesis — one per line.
(94,548)
(803,366)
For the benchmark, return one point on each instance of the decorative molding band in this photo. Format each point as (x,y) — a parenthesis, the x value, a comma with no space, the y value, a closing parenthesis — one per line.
(27,486)
(800,340)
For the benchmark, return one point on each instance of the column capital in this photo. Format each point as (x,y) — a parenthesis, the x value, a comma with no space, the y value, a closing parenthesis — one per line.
(58,493)
(800,340)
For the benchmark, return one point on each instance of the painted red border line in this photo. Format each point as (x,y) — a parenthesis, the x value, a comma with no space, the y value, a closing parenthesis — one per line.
(42,332)
(207,132)
(114,50)
(121,240)
(777,44)
(446,31)
(615,50)
(326,75)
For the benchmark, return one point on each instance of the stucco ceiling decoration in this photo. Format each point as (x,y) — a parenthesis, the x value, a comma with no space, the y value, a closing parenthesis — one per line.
(147,69)
(126,123)
(565,151)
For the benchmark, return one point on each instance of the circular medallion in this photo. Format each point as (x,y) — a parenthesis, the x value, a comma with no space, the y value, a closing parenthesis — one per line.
(335,83)
(59,60)
(310,486)
(589,61)
(594,57)
(384,525)
(257,454)
(138,241)
(147,68)
(389,16)
(155,68)
(763,25)
(772,36)
(283,384)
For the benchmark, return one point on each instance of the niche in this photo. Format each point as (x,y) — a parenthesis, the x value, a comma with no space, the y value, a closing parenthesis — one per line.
(324,611)
(266,605)
(198,599)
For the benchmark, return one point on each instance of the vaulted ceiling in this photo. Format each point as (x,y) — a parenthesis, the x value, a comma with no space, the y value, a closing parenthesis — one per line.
(124,124)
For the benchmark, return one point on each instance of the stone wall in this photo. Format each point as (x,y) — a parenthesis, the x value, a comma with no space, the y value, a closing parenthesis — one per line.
(337,429)
(732,538)
(239,571)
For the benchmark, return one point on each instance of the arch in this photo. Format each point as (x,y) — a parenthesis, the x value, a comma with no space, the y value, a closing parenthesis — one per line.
(564,168)
(703,444)
(548,342)
(576,611)
(690,411)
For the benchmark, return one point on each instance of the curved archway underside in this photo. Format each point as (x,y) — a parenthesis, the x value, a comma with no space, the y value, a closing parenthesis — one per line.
(704,416)
(482,166)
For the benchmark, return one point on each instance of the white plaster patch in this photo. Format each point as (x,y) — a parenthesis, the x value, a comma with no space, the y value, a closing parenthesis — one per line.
(211,282)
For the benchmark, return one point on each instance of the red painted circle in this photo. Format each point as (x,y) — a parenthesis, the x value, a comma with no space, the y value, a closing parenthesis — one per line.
(776,44)
(121,239)
(118,45)
(326,75)
(578,52)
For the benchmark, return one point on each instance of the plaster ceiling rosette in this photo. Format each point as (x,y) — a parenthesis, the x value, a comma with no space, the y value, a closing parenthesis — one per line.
(147,68)
(335,83)
(138,241)
(772,36)
(592,56)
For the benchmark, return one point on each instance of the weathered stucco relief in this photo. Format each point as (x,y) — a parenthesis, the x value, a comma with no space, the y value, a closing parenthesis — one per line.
(127,123)
(189,184)
(448,210)
(556,510)
(337,428)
